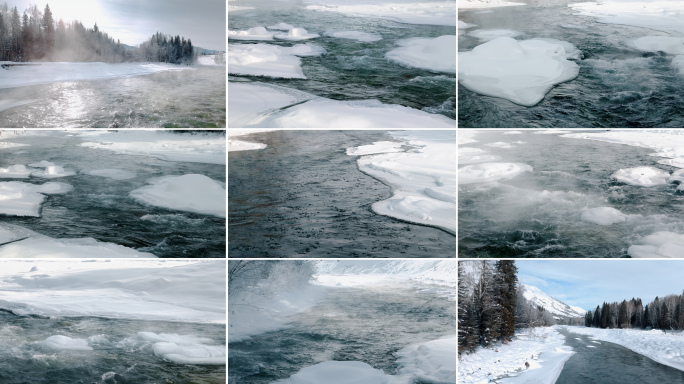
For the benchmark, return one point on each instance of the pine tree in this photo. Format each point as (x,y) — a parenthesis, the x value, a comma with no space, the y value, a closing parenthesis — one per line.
(507,282)
(49,30)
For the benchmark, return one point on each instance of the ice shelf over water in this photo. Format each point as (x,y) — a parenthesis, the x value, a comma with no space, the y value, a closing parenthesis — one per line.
(43,73)
(263,60)
(164,145)
(661,15)
(423,179)
(519,71)
(123,289)
(434,54)
(191,193)
(24,199)
(433,12)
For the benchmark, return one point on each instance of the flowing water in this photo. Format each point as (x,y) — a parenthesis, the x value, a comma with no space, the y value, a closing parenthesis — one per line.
(608,363)
(100,207)
(349,324)
(303,196)
(118,355)
(353,70)
(617,86)
(537,214)
(193,98)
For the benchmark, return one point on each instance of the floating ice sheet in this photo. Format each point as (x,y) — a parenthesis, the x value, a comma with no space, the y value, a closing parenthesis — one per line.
(642,176)
(659,244)
(256,33)
(263,60)
(191,193)
(435,54)
(603,215)
(519,71)
(186,349)
(24,199)
(17,171)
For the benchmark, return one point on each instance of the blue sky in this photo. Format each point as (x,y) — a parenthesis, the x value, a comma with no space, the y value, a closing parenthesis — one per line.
(134,21)
(589,282)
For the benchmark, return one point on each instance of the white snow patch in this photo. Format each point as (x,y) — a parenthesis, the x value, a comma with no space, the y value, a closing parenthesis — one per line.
(435,54)
(603,215)
(161,144)
(17,171)
(519,71)
(256,33)
(263,60)
(667,44)
(250,103)
(354,35)
(641,176)
(432,362)
(489,172)
(111,173)
(424,179)
(24,199)
(191,193)
(659,244)
(186,349)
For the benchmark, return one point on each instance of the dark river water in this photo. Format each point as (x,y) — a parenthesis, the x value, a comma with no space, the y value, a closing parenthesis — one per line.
(353,70)
(194,98)
(101,208)
(537,214)
(302,196)
(349,324)
(608,363)
(118,355)
(617,86)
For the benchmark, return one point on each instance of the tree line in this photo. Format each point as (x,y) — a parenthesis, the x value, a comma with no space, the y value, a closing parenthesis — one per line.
(493,307)
(35,36)
(666,313)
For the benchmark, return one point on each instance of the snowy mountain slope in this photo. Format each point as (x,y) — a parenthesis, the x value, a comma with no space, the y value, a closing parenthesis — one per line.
(554,306)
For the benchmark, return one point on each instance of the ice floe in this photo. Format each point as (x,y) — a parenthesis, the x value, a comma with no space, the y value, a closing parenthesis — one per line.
(667,44)
(239,145)
(256,33)
(24,199)
(435,54)
(423,179)
(354,35)
(17,171)
(263,60)
(659,244)
(186,349)
(519,71)
(403,11)
(603,215)
(65,343)
(642,176)
(491,34)
(337,372)
(296,34)
(488,172)
(160,144)
(52,172)
(191,193)
(250,103)
(111,173)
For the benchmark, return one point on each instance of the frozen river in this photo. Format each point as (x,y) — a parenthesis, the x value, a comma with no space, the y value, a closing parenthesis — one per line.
(617,85)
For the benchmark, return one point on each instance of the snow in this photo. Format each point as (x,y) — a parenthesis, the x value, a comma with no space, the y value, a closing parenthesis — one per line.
(641,176)
(519,71)
(17,171)
(423,179)
(39,246)
(491,34)
(256,33)
(154,289)
(326,113)
(65,343)
(239,145)
(435,54)
(478,4)
(376,147)
(213,60)
(52,171)
(354,35)
(603,215)
(659,244)
(296,34)
(542,348)
(24,199)
(111,173)
(191,193)
(661,15)
(263,60)
(281,26)
(489,172)
(44,73)
(337,372)
(431,12)
(667,44)
(251,103)
(160,144)
(665,348)
(185,349)
(538,297)
(431,362)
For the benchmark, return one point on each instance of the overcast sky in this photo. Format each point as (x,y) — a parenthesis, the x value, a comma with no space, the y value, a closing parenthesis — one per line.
(134,21)
(588,283)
